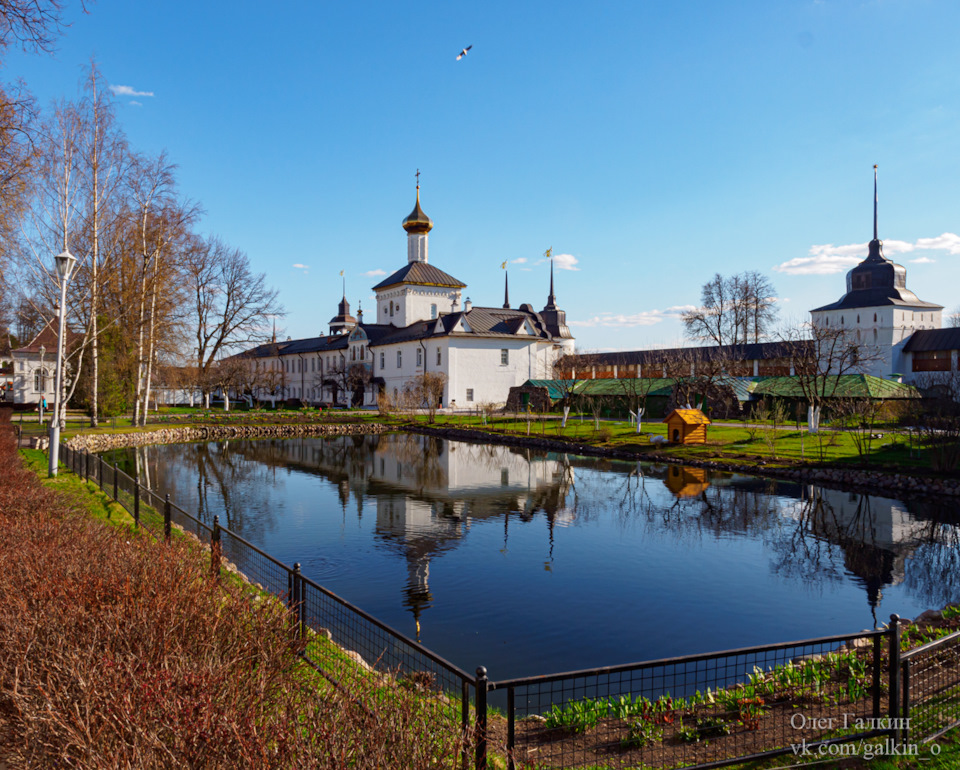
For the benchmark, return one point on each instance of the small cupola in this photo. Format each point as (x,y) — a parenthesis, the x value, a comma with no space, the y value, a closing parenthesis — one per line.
(417,225)
(417,221)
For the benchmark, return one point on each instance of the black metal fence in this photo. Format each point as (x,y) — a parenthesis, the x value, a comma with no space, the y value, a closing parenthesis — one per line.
(931,690)
(826,697)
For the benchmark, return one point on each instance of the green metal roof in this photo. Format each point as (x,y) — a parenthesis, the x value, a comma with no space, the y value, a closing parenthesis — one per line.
(846,386)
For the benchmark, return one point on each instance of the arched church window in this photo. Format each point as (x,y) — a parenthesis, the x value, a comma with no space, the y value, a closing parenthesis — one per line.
(391,308)
(40,380)
(841,320)
(874,317)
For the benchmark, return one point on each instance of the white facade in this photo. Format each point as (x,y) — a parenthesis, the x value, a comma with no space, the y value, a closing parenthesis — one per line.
(33,378)
(884,330)
(404,304)
(34,368)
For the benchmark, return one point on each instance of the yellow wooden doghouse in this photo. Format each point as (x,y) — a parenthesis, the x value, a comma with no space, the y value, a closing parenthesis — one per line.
(687,426)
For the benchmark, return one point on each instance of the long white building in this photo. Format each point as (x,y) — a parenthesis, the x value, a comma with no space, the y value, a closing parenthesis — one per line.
(422,325)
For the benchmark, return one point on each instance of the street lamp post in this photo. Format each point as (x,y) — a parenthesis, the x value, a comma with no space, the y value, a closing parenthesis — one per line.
(43,384)
(65,262)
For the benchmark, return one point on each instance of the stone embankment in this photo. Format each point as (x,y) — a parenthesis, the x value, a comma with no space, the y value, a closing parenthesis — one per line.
(900,485)
(101,442)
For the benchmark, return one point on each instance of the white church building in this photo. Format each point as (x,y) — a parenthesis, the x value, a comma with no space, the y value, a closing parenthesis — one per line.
(423,324)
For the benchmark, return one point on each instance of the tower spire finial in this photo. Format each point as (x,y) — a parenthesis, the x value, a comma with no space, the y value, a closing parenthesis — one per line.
(418,185)
(506,286)
(875,236)
(551,299)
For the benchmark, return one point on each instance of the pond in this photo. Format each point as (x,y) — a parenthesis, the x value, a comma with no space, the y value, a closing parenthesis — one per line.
(530,562)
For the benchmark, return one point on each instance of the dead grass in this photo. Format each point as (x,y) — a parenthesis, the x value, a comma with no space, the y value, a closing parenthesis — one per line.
(119,651)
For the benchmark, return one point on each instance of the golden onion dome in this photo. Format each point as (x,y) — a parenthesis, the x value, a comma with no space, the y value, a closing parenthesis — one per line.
(417,222)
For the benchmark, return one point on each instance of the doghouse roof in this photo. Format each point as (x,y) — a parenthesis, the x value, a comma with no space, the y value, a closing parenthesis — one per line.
(689,416)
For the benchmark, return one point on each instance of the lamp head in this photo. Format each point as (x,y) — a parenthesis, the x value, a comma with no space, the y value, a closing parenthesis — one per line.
(43,350)
(65,262)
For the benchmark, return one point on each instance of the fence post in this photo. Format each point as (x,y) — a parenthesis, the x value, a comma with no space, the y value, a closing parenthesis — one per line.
(895,678)
(298,599)
(136,502)
(291,591)
(215,548)
(116,475)
(905,713)
(100,471)
(481,755)
(877,666)
(166,517)
(464,723)
(511,728)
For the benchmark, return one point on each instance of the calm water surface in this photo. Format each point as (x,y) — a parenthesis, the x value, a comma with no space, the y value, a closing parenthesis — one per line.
(530,562)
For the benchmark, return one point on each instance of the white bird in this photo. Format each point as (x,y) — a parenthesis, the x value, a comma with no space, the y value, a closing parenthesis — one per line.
(463,52)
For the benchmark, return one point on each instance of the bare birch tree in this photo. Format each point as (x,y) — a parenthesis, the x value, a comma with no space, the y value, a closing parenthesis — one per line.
(103,151)
(161,218)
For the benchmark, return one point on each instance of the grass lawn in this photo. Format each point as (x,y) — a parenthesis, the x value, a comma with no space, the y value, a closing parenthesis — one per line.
(761,444)
(784,445)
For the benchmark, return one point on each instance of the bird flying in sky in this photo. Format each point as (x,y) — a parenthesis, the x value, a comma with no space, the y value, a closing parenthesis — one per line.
(463,52)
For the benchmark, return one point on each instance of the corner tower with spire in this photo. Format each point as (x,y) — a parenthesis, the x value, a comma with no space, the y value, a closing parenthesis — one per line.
(878,310)
(554,318)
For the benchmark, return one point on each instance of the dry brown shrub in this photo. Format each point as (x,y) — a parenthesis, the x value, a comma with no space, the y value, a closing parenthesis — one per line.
(118,651)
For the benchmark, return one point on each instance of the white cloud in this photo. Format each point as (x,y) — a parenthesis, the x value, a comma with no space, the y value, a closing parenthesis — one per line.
(922,261)
(129,91)
(298,266)
(822,264)
(894,247)
(136,104)
(519,261)
(826,258)
(646,318)
(374,273)
(949,242)
(562,262)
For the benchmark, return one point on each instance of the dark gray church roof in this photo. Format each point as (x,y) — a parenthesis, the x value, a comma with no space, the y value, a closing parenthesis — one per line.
(876,282)
(481,321)
(421,273)
(933,339)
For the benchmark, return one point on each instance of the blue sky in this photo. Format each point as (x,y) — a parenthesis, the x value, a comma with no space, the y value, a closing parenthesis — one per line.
(650,144)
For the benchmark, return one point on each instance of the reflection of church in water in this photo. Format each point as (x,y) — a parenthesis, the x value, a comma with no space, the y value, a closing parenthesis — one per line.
(877,536)
(428,492)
